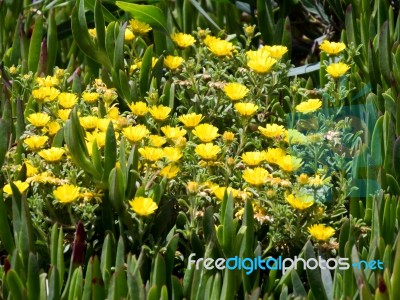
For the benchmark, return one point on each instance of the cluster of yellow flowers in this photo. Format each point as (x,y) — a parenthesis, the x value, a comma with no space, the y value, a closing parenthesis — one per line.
(338,69)
(168,141)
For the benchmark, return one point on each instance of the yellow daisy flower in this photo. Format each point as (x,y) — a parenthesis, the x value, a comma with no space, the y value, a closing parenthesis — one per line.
(138,27)
(337,70)
(45,94)
(332,48)
(21,186)
(321,232)
(273,155)
(53,154)
(246,109)
(183,40)
(309,106)
(66,193)
(206,132)
(143,206)
(38,119)
(160,113)
(290,163)
(235,91)
(261,65)
(300,202)
(138,108)
(151,153)
(173,62)
(173,154)
(170,171)
(173,133)
(275,51)
(157,141)
(90,97)
(35,142)
(88,122)
(135,133)
(221,48)
(253,159)
(207,151)
(256,176)
(272,130)
(67,100)
(191,120)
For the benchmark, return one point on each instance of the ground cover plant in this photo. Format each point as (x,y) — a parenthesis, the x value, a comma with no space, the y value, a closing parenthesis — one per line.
(137,136)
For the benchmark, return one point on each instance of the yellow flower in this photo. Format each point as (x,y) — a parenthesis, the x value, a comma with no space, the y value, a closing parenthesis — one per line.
(63,114)
(109,95)
(39,119)
(256,176)
(66,193)
(300,202)
(157,141)
(173,62)
(151,153)
(21,186)
(257,55)
(246,109)
(206,132)
(235,91)
(253,159)
(290,163)
(173,154)
(45,94)
(317,181)
(191,120)
(53,154)
(138,27)
(92,32)
(293,137)
(309,106)
(183,40)
(143,206)
(30,170)
(88,122)
(90,97)
(129,36)
(337,70)
(207,151)
(192,187)
(219,192)
(272,130)
(67,100)
(321,232)
(160,113)
(303,179)
(53,128)
(99,137)
(102,124)
(138,108)
(275,51)
(221,48)
(49,81)
(332,48)
(173,133)
(36,142)
(170,171)
(261,65)
(45,178)
(228,136)
(273,155)
(135,133)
